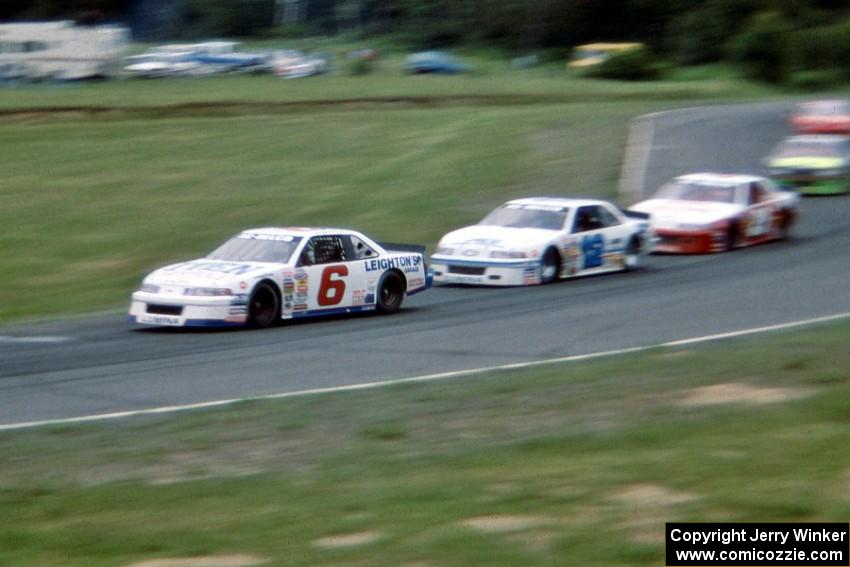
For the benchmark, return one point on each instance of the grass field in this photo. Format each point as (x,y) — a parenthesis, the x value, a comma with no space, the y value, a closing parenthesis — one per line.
(569,464)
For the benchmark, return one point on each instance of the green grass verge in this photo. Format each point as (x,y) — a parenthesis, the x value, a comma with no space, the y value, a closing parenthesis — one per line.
(569,464)
(135,174)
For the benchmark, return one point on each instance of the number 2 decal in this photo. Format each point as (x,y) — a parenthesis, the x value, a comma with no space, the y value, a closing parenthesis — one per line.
(592,247)
(332,289)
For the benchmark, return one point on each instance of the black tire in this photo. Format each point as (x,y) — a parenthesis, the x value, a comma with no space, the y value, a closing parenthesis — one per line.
(263,306)
(785,225)
(731,237)
(633,257)
(550,267)
(390,293)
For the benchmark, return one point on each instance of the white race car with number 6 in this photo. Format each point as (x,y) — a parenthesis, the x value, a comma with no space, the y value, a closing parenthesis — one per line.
(263,275)
(541,239)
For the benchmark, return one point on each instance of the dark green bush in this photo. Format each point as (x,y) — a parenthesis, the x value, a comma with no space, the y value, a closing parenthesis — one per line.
(763,48)
(360,66)
(817,79)
(632,65)
(824,47)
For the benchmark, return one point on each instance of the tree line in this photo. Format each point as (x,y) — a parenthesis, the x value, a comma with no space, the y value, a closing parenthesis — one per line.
(771,38)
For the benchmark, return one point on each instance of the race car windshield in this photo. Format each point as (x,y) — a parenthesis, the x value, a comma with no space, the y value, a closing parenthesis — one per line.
(792,149)
(256,248)
(527,217)
(682,191)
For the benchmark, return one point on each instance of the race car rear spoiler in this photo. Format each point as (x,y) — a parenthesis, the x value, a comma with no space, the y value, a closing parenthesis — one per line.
(635,214)
(395,247)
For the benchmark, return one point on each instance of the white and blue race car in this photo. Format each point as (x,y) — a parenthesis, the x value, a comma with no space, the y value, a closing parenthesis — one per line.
(539,240)
(264,275)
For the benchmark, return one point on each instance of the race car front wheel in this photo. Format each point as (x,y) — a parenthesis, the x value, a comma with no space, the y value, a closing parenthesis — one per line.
(632,259)
(550,267)
(263,307)
(390,293)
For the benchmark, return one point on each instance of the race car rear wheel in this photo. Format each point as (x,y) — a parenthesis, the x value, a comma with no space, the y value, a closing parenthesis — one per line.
(263,306)
(550,266)
(633,257)
(390,293)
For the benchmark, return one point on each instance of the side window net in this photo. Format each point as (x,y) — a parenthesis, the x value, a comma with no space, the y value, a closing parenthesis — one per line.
(323,250)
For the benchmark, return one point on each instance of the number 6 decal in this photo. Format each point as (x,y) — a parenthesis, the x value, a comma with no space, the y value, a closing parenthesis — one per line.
(332,289)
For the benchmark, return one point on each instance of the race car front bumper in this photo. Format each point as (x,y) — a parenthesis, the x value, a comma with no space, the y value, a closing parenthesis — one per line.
(449,270)
(689,241)
(180,311)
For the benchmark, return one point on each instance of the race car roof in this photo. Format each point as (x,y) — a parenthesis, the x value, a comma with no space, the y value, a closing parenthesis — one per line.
(818,139)
(300,231)
(727,179)
(828,106)
(554,201)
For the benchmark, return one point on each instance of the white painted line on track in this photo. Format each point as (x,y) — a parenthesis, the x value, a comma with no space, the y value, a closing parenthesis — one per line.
(425,378)
(33,340)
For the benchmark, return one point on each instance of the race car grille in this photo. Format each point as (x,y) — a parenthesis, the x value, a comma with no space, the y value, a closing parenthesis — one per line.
(467,270)
(164,309)
(672,240)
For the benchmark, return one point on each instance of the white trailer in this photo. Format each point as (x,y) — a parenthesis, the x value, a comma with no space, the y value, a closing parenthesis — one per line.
(60,50)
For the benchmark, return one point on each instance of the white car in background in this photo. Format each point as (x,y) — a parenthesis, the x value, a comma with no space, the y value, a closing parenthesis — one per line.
(539,240)
(266,274)
(295,64)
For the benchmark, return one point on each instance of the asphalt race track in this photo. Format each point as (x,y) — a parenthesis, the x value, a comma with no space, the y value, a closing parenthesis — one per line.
(101,365)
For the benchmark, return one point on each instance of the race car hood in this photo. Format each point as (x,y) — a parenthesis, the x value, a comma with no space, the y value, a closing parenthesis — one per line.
(670,213)
(208,273)
(808,163)
(473,240)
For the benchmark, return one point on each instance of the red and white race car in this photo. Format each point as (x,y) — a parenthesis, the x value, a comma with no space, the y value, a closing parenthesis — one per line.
(712,212)
(263,275)
(821,117)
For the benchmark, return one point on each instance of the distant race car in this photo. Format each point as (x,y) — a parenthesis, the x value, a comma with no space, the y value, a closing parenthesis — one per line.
(266,274)
(821,117)
(711,212)
(539,240)
(813,165)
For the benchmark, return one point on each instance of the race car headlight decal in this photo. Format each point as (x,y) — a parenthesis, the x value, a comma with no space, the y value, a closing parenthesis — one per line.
(507,254)
(447,250)
(691,226)
(207,291)
(149,288)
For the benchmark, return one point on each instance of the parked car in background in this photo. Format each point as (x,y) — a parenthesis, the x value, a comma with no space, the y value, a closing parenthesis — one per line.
(291,64)
(821,117)
(812,164)
(539,240)
(205,58)
(700,213)
(434,62)
(592,54)
(151,65)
